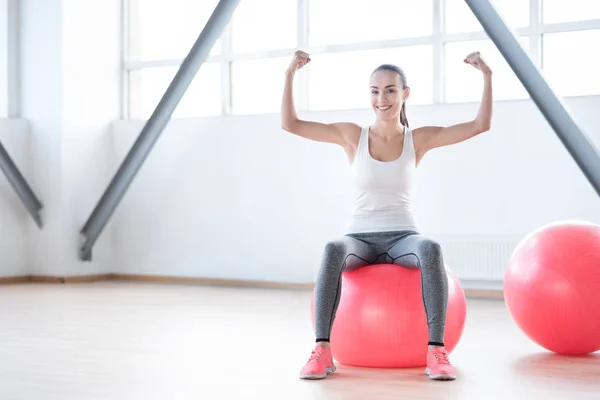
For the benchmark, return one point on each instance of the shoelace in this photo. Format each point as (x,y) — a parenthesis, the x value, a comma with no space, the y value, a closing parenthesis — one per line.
(314,356)
(443,355)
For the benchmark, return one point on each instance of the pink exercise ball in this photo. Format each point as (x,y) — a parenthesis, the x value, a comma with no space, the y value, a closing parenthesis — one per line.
(381,322)
(552,287)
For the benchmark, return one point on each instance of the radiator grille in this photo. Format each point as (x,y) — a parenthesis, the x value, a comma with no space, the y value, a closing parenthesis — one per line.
(477,259)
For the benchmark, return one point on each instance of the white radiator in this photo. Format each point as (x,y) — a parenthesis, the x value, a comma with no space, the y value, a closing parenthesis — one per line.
(479,262)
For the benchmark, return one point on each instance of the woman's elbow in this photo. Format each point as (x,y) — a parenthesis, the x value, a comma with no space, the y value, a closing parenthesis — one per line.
(483,126)
(287,125)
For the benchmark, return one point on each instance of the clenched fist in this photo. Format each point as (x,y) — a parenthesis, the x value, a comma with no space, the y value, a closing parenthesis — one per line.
(476,61)
(300,60)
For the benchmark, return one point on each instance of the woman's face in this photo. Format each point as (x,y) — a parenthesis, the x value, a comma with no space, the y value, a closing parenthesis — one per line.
(387,94)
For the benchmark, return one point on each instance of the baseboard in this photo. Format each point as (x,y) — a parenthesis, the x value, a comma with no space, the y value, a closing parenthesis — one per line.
(484,294)
(469,292)
(69,279)
(13,279)
(483,289)
(212,281)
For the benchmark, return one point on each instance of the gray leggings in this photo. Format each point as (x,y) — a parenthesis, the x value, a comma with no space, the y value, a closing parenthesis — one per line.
(406,248)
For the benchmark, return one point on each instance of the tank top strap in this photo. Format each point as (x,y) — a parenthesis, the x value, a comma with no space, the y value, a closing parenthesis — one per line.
(363,141)
(409,142)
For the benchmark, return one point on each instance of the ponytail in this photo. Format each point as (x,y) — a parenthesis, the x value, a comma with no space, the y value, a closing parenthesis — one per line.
(403,119)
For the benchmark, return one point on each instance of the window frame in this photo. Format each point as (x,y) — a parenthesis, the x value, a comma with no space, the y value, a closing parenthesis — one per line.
(4,61)
(9,58)
(438,39)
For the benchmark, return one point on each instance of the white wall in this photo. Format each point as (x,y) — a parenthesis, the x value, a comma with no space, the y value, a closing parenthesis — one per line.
(70,60)
(14,249)
(237,197)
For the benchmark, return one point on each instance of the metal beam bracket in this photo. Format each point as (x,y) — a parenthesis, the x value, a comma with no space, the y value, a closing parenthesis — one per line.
(155,126)
(22,188)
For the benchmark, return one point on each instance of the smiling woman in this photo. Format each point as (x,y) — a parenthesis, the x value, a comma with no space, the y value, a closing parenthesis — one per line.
(383,158)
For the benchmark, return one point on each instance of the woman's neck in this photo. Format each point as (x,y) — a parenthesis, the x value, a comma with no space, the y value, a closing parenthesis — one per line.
(388,129)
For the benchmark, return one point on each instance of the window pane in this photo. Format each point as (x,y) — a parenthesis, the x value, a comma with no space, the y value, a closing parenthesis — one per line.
(341,80)
(554,11)
(464,82)
(203,97)
(460,18)
(167,29)
(365,21)
(257,85)
(255,29)
(569,64)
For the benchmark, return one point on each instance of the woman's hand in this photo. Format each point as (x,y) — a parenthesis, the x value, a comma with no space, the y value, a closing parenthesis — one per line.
(476,61)
(300,60)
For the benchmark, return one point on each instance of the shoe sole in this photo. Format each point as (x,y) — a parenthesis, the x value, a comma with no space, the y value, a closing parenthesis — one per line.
(439,377)
(314,377)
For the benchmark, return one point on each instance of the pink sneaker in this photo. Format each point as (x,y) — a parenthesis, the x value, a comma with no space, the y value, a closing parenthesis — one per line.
(319,364)
(438,365)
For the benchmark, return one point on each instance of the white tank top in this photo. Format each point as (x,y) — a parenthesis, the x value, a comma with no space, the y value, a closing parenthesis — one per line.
(382,190)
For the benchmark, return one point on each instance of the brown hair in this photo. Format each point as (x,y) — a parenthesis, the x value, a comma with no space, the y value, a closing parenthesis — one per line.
(402,75)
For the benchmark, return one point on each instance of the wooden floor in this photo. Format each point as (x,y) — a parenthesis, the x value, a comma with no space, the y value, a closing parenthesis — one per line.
(128,341)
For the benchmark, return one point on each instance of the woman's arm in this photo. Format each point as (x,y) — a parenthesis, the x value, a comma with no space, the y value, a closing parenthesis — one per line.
(437,136)
(337,133)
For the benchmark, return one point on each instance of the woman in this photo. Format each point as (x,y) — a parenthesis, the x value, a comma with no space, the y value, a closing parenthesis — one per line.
(382,226)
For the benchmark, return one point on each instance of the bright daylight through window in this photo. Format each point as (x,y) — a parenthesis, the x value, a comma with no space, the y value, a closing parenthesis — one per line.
(244,72)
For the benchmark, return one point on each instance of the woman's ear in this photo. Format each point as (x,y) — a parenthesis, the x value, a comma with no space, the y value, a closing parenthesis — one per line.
(406,93)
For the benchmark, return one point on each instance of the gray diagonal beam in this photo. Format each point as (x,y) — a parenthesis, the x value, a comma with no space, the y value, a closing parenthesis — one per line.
(20,185)
(155,126)
(581,148)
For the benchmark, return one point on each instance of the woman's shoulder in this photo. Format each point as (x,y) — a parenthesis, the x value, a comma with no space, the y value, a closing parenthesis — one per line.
(348,126)
(350,131)
(421,131)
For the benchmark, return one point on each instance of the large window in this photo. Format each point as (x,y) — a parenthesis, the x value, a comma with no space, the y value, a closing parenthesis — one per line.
(428,39)
(367,21)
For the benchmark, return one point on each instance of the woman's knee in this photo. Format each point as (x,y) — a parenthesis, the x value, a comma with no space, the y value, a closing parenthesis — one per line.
(333,259)
(335,249)
(431,250)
